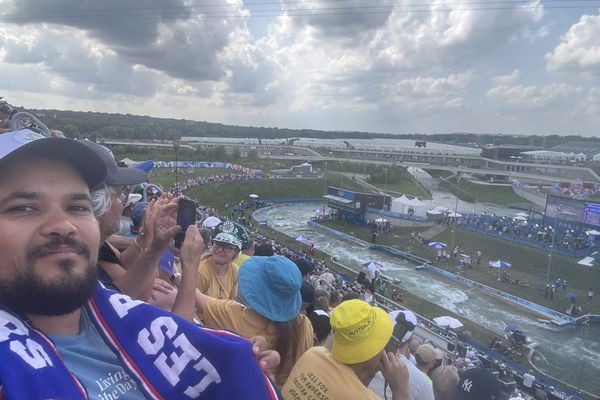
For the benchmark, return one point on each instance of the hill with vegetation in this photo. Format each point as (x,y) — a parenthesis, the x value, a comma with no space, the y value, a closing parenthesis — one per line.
(98,126)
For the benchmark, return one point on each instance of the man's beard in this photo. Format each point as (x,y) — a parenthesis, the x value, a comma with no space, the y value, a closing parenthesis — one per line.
(28,293)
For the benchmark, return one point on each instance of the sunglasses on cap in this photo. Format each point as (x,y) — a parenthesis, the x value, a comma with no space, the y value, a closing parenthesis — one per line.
(224,246)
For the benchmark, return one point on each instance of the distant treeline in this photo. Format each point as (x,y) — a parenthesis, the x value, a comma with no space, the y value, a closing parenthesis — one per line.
(98,126)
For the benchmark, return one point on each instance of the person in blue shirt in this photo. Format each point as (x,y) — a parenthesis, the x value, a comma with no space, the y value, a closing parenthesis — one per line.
(62,334)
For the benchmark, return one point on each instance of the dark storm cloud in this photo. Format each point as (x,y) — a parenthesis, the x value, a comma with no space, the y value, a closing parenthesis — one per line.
(68,58)
(122,24)
(341,19)
(167,35)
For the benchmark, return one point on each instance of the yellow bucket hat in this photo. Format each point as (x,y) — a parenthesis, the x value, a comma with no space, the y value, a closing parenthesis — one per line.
(360,331)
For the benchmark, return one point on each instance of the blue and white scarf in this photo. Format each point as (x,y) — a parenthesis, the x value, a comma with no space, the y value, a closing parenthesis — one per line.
(170,357)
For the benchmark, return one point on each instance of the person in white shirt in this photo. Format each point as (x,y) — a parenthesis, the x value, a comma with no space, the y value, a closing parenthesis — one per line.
(420,386)
(528,381)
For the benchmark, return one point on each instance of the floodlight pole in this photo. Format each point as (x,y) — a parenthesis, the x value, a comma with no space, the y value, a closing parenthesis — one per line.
(176,148)
(455,218)
(325,177)
(552,247)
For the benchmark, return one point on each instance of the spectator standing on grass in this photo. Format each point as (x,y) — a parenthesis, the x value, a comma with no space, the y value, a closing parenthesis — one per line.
(590,294)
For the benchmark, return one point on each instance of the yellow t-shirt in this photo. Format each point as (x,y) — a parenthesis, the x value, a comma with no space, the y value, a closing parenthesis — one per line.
(241,258)
(234,316)
(317,375)
(214,285)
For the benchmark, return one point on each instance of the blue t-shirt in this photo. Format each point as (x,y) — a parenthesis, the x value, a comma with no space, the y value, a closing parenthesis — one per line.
(88,357)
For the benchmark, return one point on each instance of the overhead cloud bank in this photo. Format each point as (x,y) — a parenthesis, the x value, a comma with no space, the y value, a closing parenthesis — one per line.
(385,65)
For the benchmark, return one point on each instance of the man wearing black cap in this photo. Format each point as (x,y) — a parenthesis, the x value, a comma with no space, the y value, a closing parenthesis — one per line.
(305,267)
(134,271)
(478,384)
(63,336)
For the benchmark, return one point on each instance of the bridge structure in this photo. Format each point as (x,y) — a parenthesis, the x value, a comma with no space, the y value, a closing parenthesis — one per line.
(523,171)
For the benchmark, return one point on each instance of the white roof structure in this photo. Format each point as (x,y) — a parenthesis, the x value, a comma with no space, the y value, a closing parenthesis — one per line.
(402,199)
(415,202)
(553,155)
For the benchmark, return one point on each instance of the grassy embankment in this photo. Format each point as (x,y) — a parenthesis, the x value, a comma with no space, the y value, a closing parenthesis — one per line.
(219,194)
(475,192)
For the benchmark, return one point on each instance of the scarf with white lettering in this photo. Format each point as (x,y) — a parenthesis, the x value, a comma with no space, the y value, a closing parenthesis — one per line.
(170,357)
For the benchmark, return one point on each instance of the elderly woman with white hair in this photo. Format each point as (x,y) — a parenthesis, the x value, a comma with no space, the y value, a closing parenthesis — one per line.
(445,380)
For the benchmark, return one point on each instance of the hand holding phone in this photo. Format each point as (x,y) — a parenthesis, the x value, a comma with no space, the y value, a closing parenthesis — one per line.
(186,216)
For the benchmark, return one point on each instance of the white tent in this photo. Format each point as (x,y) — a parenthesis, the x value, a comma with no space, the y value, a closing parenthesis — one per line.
(435,212)
(416,202)
(404,205)
(418,207)
(400,204)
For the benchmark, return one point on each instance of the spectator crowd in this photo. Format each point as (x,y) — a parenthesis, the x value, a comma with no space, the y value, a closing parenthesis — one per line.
(90,309)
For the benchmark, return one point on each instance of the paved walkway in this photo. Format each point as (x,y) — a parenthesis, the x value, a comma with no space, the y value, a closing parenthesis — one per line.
(433,231)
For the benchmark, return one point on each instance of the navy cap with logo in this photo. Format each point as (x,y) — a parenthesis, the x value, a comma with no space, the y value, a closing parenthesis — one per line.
(478,384)
(115,175)
(28,143)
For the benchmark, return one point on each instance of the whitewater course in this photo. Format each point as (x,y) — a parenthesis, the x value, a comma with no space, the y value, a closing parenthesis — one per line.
(568,353)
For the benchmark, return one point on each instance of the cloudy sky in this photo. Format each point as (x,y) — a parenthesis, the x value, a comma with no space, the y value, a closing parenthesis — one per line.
(398,66)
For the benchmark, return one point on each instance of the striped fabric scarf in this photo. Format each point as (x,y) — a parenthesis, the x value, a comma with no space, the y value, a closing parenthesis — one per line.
(170,357)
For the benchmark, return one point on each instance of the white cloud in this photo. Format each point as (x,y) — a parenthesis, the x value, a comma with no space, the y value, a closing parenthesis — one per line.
(507,79)
(579,49)
(384,65)
(531,98)
(457,35)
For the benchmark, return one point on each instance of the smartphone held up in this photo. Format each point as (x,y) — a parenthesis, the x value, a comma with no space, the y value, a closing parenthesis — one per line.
(186,216)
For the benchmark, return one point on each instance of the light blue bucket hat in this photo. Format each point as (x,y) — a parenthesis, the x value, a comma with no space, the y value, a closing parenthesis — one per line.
(271,287)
